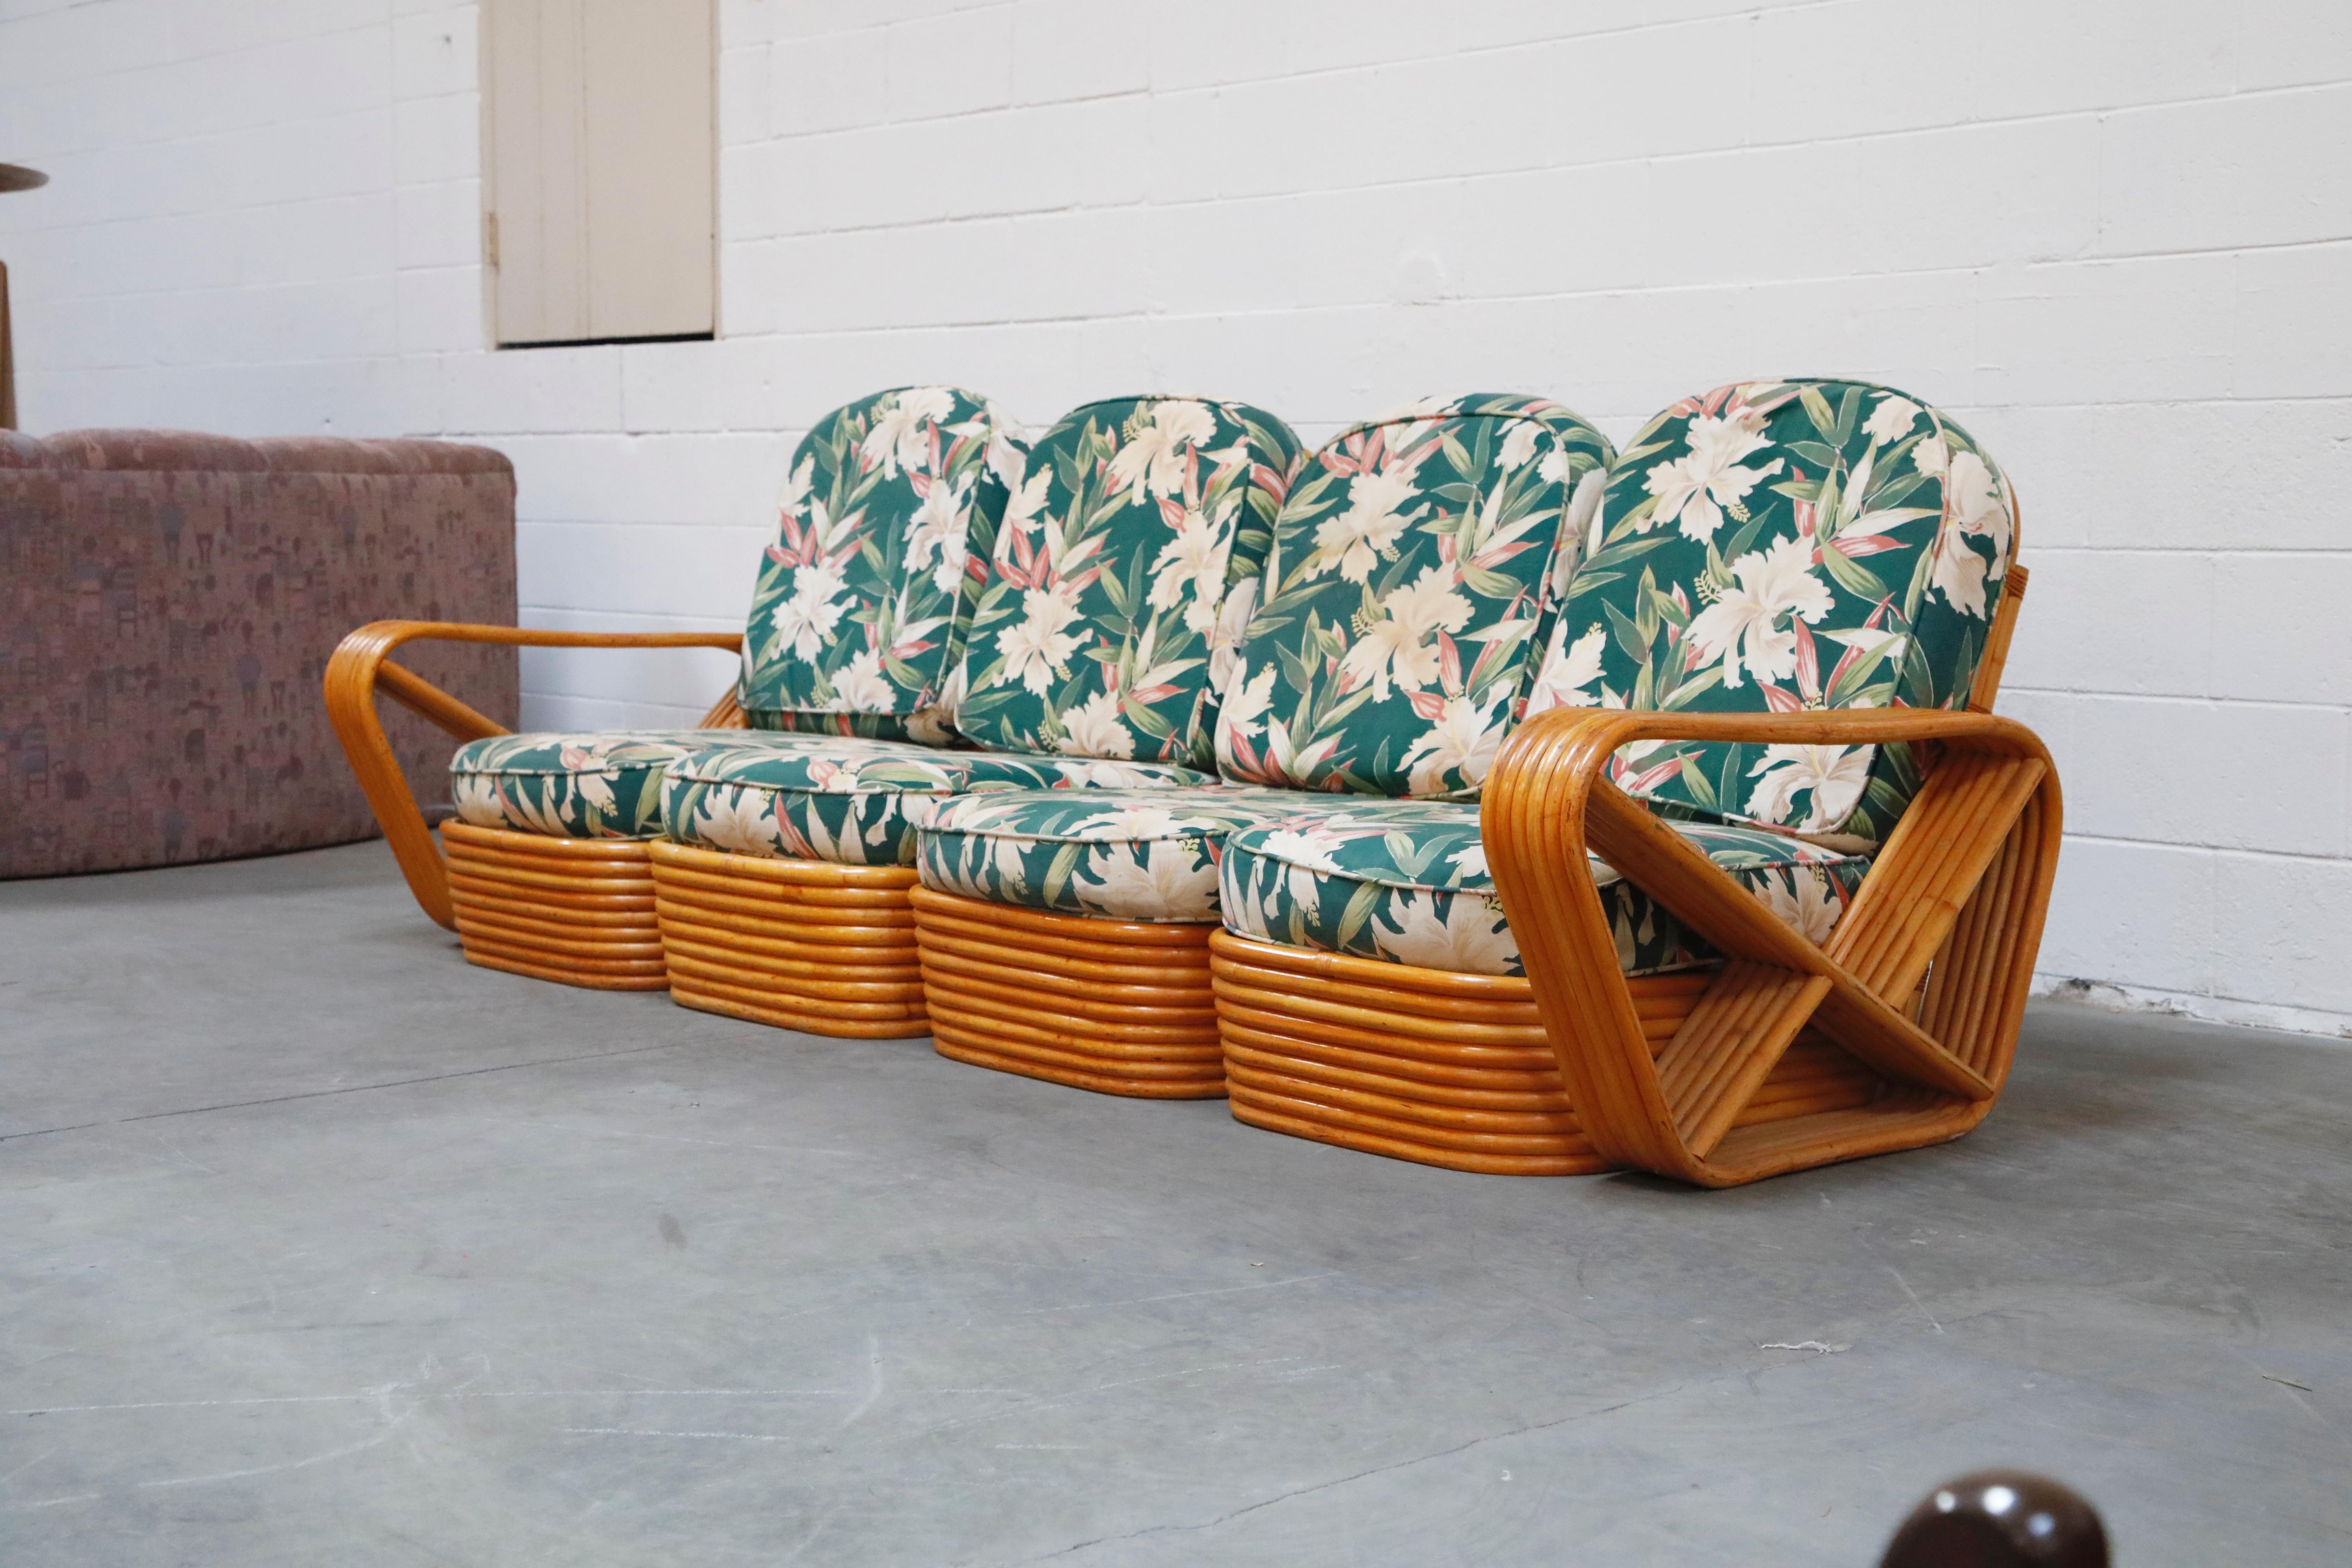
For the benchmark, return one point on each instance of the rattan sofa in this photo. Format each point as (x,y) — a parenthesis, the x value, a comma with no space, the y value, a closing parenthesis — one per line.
(1756,881)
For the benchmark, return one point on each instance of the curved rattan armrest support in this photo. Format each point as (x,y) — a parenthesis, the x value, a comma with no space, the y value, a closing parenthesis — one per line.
(1600,731)
(1990,805)
(360,668)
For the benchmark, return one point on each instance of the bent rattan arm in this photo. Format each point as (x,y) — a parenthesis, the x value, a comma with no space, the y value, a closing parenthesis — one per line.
(1954,899)
(359,669)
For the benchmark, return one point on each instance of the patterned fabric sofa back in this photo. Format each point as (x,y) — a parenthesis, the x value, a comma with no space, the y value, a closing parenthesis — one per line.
(1393,637)
(168,601)
(1783,545)
(859,617)
(1094,633)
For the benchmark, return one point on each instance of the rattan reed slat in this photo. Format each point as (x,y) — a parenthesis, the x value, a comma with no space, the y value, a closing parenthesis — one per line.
(579,911)
(1924,981)
(1116,1006)
(800,944)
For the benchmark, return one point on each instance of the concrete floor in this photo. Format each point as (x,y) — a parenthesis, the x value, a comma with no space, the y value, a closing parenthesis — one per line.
(324,1247)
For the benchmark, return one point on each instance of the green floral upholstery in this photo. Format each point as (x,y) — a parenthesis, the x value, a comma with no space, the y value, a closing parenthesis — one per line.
(1406,881)
(858,620)
(858,802)
(1781,546)
(1094,634)
(1130,855)
(1413,575)
(856,625)
(1461,501)
(604,786)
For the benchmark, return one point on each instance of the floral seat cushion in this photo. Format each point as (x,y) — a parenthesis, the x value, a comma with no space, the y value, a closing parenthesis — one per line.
(1094,634)
(1415,569)
(1778,546)
(1127,855)
(1406,881)
(890,509)
(857,802)
(602,785)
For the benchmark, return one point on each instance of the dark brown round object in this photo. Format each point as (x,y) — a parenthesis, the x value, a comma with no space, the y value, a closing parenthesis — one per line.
(1999,1518)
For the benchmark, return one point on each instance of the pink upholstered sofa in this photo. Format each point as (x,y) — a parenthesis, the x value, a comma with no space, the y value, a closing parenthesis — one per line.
(167,604)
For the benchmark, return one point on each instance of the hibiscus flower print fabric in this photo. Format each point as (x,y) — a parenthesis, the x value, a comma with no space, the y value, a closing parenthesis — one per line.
(1417,566)
(1094,633)
(888,511)
(1783,546)
(600,785)
(859,802)
(1127,855)
(1406,883)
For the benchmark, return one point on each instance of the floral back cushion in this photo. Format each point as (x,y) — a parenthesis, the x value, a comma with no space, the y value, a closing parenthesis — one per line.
(1414,573)
(1096,630)
(859,617)
(1779,546)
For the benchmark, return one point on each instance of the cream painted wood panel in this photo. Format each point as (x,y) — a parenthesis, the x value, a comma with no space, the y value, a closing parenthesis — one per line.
(601,168)
(537,185)
(651,153)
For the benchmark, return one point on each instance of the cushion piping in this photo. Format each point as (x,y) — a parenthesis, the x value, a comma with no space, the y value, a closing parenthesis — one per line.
(1615,876)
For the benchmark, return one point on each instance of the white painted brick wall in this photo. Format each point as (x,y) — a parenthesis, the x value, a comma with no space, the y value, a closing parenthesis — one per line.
(2112,235)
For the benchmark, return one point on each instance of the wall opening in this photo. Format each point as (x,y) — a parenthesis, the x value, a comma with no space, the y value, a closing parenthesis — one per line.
(600,178)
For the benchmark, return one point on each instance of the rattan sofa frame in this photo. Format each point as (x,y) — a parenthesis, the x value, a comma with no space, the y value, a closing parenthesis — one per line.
(1924,979)
(578,911)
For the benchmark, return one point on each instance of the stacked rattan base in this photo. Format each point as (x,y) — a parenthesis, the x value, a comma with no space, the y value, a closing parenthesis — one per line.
(1416,1064)
(1445,1069)
(800,944)
(1117,1007)
(579,910)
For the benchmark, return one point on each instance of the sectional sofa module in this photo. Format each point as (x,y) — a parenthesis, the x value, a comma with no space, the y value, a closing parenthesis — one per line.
(856,620)
(1758,882)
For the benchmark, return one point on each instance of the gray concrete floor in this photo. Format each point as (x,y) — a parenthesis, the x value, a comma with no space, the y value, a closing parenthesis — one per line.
(323,1248)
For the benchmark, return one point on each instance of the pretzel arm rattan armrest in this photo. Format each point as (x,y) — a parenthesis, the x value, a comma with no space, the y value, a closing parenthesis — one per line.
(360,668)
(1924,979)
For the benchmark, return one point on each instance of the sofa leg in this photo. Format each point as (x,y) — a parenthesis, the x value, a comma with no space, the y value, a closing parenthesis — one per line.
(577,911)
(796,944)
(1447,1069)
(1117,1007)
